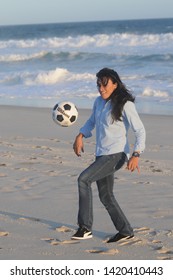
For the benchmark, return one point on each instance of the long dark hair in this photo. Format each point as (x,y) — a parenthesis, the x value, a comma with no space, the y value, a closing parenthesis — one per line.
(119,96)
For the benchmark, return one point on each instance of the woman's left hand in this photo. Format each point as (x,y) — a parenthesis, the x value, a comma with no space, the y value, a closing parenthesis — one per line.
(133,164)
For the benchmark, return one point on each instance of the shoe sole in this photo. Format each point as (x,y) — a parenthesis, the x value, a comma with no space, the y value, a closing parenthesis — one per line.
(127,237)
(121,239)
(82,238)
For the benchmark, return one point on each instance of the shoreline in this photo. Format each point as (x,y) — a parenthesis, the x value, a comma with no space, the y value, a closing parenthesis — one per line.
(79,108)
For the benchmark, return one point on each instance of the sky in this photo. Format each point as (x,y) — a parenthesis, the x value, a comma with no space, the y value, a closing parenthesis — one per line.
(14,12)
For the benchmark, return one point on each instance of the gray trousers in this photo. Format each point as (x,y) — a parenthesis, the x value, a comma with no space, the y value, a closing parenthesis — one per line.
(102,171)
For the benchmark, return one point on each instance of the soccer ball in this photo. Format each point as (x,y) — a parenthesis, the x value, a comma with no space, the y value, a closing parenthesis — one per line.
(65,113)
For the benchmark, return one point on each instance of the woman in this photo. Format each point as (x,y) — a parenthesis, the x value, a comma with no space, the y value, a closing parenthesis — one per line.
(113,113)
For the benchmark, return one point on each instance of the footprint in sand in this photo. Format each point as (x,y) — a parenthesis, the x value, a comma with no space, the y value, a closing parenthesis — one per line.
(154,170)
(3,164)
(3,175)
(156,241)
(165,258)
(142,230)
(143,183)
(170,233)
(156,247)
(4,233)
(42,147)
(21,169)
(29,219)
(63,229)
(153,233)
(54,241)
(103,251)
(130,242)
(167,254)
(146,231)
(69,242)
(165,251)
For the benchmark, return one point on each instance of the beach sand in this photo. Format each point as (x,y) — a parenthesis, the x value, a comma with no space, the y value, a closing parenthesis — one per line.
(39,197)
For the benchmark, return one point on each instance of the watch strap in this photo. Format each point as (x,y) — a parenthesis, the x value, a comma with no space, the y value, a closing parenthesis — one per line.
(136,154)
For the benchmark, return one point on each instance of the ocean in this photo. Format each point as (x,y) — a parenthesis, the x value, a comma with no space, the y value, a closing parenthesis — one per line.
(42,64)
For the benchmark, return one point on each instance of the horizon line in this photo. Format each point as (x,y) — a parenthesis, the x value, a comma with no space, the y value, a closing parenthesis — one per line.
(87,21)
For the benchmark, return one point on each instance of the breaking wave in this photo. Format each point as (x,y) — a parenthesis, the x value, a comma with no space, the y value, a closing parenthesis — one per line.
(98,41)
(51,77)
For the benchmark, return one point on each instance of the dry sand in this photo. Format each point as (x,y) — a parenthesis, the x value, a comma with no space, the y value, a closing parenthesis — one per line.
(39,199)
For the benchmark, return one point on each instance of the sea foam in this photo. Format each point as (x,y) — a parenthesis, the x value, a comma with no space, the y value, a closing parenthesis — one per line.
(96,41)
(154,93)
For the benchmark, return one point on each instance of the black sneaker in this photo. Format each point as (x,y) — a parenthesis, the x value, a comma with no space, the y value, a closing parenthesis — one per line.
(119,236)
(82,233)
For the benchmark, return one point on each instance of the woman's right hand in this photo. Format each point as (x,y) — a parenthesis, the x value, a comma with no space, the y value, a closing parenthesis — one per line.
(78,145)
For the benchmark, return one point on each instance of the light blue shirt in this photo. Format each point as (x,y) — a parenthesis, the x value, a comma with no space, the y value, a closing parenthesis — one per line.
(111,136)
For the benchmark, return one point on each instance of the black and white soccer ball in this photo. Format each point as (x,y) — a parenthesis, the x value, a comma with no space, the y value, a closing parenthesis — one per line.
(65,113)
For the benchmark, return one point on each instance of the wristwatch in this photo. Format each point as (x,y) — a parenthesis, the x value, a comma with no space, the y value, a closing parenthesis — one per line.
(136,154)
